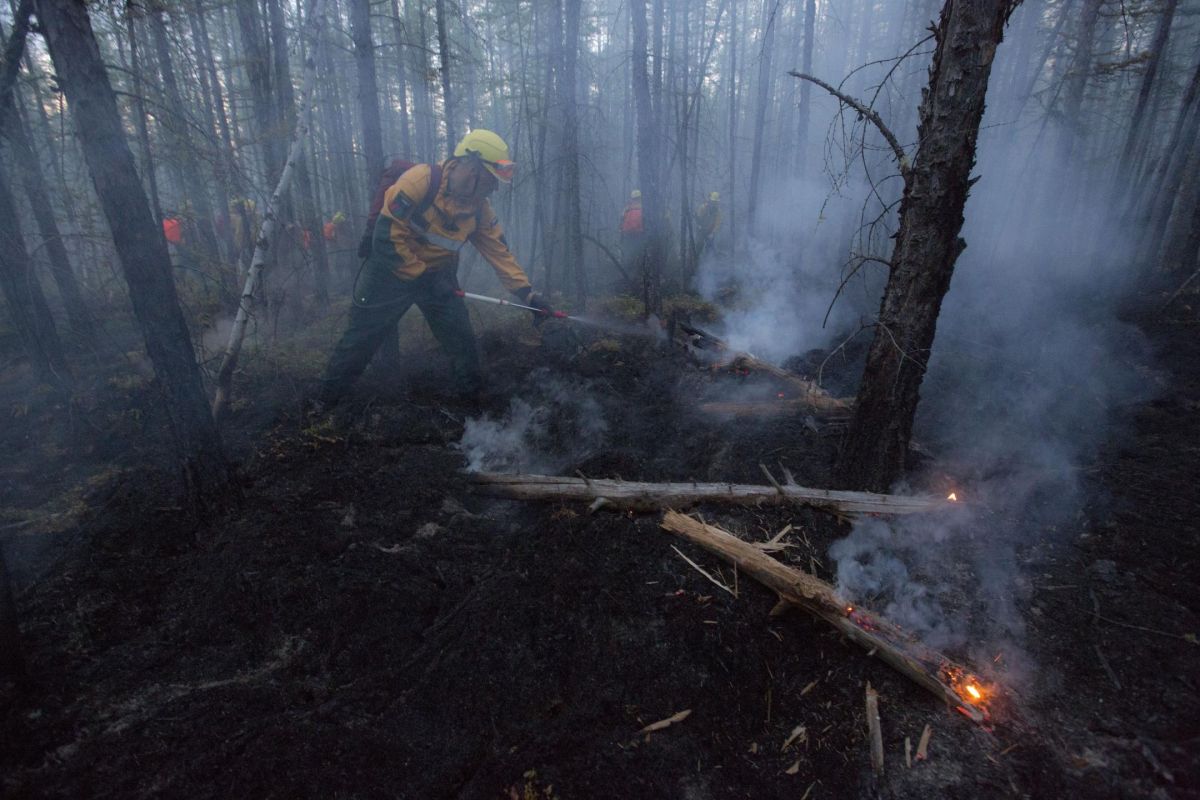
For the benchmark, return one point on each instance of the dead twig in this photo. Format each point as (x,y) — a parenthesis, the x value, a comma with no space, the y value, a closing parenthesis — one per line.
(700,569)
(666,723)
(868,113)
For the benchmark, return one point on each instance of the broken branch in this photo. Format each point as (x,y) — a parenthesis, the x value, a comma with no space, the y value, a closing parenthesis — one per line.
(867,112)
(927,668)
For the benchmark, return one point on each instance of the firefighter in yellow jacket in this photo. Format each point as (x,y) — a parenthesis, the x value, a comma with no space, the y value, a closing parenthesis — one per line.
(428,215)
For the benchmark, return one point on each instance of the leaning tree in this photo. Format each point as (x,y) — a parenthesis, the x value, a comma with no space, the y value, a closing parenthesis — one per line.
(139,244)
(927,242)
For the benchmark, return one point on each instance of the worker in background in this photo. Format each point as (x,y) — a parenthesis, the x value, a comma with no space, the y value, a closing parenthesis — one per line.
(332,229)
(244,229)
(172,228)
(427,216)
(708,220)
(633,232)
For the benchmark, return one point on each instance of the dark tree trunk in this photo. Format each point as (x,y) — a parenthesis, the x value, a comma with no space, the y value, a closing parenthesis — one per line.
(1077,78)
(139,243)
(190,176)
(43,213)
(12,658)
(810,19)
(567,93)
(258,71)
(1183,228)
(649,165)
(368,90)
(927,243)
(139,113)
(764,99)
(452,131)
(26,161)
(731,202)
(402,80)
(310,219)
(1165,183)
(1157,48)
(26,302)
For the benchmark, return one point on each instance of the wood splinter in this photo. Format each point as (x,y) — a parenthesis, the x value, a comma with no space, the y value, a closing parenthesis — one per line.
(873,729)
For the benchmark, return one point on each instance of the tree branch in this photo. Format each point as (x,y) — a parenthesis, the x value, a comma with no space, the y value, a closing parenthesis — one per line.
(867,112)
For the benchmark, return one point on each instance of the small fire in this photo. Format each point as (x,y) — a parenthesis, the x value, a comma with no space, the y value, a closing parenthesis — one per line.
(971,690)
(953,497)
(849,609)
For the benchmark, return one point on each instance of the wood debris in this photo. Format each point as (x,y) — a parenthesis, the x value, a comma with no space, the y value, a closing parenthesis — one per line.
(923,745)
(799,735)
(638,496)
(874,733)
(926,667)
(666,723)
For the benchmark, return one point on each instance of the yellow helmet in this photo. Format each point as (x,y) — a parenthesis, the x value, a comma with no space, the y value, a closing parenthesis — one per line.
(491,150)
(714,197)
(339,217)
(636,194)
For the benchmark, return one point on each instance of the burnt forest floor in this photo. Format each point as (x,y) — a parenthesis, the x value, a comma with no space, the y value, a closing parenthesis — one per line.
(363,624)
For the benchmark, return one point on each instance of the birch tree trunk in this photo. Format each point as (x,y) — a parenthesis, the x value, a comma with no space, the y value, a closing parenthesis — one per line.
(237,334)
(927,242)
(140,246)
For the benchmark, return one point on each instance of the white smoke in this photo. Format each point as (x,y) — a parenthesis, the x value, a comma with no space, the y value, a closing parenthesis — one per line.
(554,424)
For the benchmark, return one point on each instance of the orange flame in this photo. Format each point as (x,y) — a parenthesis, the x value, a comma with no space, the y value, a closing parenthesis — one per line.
(974,692)
(953,497)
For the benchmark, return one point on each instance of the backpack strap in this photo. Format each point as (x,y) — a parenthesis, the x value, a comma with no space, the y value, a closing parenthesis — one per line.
(417,215)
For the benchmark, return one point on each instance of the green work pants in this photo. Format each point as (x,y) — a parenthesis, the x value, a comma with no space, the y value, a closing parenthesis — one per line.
(381,299)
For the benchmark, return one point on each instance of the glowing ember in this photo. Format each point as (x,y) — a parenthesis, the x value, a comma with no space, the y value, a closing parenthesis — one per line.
(849,609)
(953,497)
(974,692)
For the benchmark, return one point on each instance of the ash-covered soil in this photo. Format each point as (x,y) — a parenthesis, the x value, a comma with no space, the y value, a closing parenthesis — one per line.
(365,625)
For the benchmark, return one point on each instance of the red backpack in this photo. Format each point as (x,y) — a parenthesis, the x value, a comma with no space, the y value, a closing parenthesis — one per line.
(391,174)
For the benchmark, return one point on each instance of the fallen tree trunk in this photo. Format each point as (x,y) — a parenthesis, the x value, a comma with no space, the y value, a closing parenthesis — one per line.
(810,393)
(826,406)
(716,352)
(627,495)
(953,683)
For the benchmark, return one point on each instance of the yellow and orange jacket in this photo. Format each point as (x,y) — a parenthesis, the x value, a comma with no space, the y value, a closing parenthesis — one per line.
(431,243)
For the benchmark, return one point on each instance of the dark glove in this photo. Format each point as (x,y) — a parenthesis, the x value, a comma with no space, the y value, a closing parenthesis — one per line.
(364,246)
(531,298)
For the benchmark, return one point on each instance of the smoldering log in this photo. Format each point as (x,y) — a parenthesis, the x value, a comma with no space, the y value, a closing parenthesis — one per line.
(827,408)
(720,355)
(636,496)
(928,668)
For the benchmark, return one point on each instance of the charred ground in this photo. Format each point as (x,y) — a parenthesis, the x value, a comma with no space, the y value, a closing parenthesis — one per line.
(364,625)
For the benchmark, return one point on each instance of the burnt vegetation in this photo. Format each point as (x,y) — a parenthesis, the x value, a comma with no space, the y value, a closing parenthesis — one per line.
(896,300)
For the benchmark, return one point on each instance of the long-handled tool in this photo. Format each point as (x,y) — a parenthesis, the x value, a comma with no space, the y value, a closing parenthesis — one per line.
(483,298)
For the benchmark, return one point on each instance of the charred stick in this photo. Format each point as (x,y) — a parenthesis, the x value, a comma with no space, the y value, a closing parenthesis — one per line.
(934,671)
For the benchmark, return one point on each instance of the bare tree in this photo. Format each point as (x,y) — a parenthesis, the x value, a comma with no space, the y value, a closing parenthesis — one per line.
(927,242)
(139,244)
